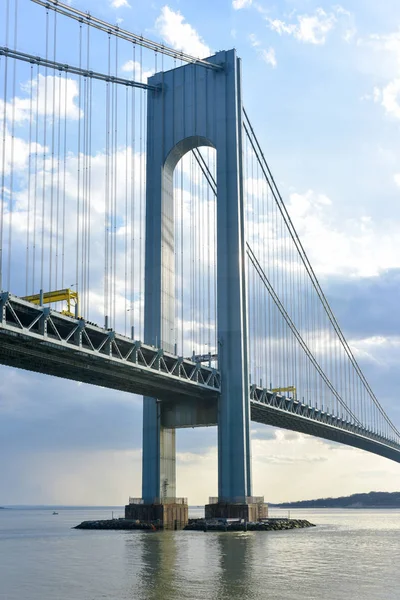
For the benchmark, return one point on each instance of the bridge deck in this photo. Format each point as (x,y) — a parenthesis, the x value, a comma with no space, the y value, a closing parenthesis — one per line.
(39,339)
(277,410)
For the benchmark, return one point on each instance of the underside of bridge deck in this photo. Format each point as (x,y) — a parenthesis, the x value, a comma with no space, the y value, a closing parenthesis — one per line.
(286,420)
(23,352)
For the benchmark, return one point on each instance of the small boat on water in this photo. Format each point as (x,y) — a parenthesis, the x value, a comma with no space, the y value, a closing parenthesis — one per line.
(55,513)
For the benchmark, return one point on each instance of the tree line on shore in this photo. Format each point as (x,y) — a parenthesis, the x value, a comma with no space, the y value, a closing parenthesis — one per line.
(369,500)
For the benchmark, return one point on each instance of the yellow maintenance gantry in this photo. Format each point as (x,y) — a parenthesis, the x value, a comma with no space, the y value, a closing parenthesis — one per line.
(67,295)
(289,388)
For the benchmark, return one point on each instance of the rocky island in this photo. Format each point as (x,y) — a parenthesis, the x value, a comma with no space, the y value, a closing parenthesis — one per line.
(268,524)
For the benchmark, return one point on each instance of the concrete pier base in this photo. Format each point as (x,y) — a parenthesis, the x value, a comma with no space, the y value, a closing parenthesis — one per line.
(171,515)
(249,511)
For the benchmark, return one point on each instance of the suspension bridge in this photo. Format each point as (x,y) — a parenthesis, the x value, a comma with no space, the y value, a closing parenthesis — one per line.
(145,247)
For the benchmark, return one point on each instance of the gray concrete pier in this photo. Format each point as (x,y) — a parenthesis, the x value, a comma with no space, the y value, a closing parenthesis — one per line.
(253,510)
(170,513)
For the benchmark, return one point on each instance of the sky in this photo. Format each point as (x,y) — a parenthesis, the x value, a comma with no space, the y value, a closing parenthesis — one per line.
(321,85)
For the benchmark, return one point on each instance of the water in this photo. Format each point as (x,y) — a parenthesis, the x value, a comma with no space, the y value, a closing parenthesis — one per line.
(352,554)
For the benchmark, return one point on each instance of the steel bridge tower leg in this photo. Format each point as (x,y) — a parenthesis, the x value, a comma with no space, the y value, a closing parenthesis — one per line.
(196,106)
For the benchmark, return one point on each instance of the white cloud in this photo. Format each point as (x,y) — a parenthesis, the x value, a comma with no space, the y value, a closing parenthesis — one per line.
(286,467)
(120,3)
(397,179)
(388,49)
(376,95)
(46,91)
(254,41)
(281,27)
(349,34)
(310,29)
(290,466)
(389,98)
(267,55)
(16,152)
(73,477)
(135,69)
(342,11)
(180,35)
(48,178)
(238,4)
(389,42)
(378,349)
(350,29)
(353,247)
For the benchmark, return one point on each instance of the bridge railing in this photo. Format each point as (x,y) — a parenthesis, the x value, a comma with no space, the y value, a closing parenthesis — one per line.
(32,324)
(249,500)
(285,404)
(166,500)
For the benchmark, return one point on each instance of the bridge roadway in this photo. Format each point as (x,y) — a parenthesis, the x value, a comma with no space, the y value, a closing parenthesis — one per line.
(40,339)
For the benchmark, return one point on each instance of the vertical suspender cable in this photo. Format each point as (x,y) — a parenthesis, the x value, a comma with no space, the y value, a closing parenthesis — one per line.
(270,305)
(182,261)
(36,181)
(89,197)
(115,185)
(10,211)
(107,193)
(191,258)
(3,166)
(133,300)
(44,160)
(126,212)
(209,259)
(79,157)
(83,224)
(64,186)
(57,257)
(28,225)
(141,189)
(83,81)
(53,129)
(88,186)
(111,193)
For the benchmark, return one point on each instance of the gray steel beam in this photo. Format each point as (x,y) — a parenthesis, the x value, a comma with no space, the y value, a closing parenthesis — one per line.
(39,339)
(110,29)
(269,415)
(62,67)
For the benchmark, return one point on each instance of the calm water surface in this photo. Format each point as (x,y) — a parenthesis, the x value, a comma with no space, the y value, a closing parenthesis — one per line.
(353,554)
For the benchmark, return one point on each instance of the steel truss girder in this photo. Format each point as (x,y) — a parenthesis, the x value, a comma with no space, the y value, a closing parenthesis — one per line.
(37,338)
(40,339)
(280,411)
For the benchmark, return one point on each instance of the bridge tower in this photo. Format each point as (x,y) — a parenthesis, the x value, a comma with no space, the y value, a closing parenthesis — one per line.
(196,106)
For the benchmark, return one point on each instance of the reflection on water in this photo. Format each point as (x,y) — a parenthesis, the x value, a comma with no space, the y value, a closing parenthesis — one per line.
(158,566)
(351,555)
(235,558)
(207,566)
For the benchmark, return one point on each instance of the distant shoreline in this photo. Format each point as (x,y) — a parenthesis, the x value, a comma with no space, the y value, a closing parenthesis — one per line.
(373,500)
(361,507)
